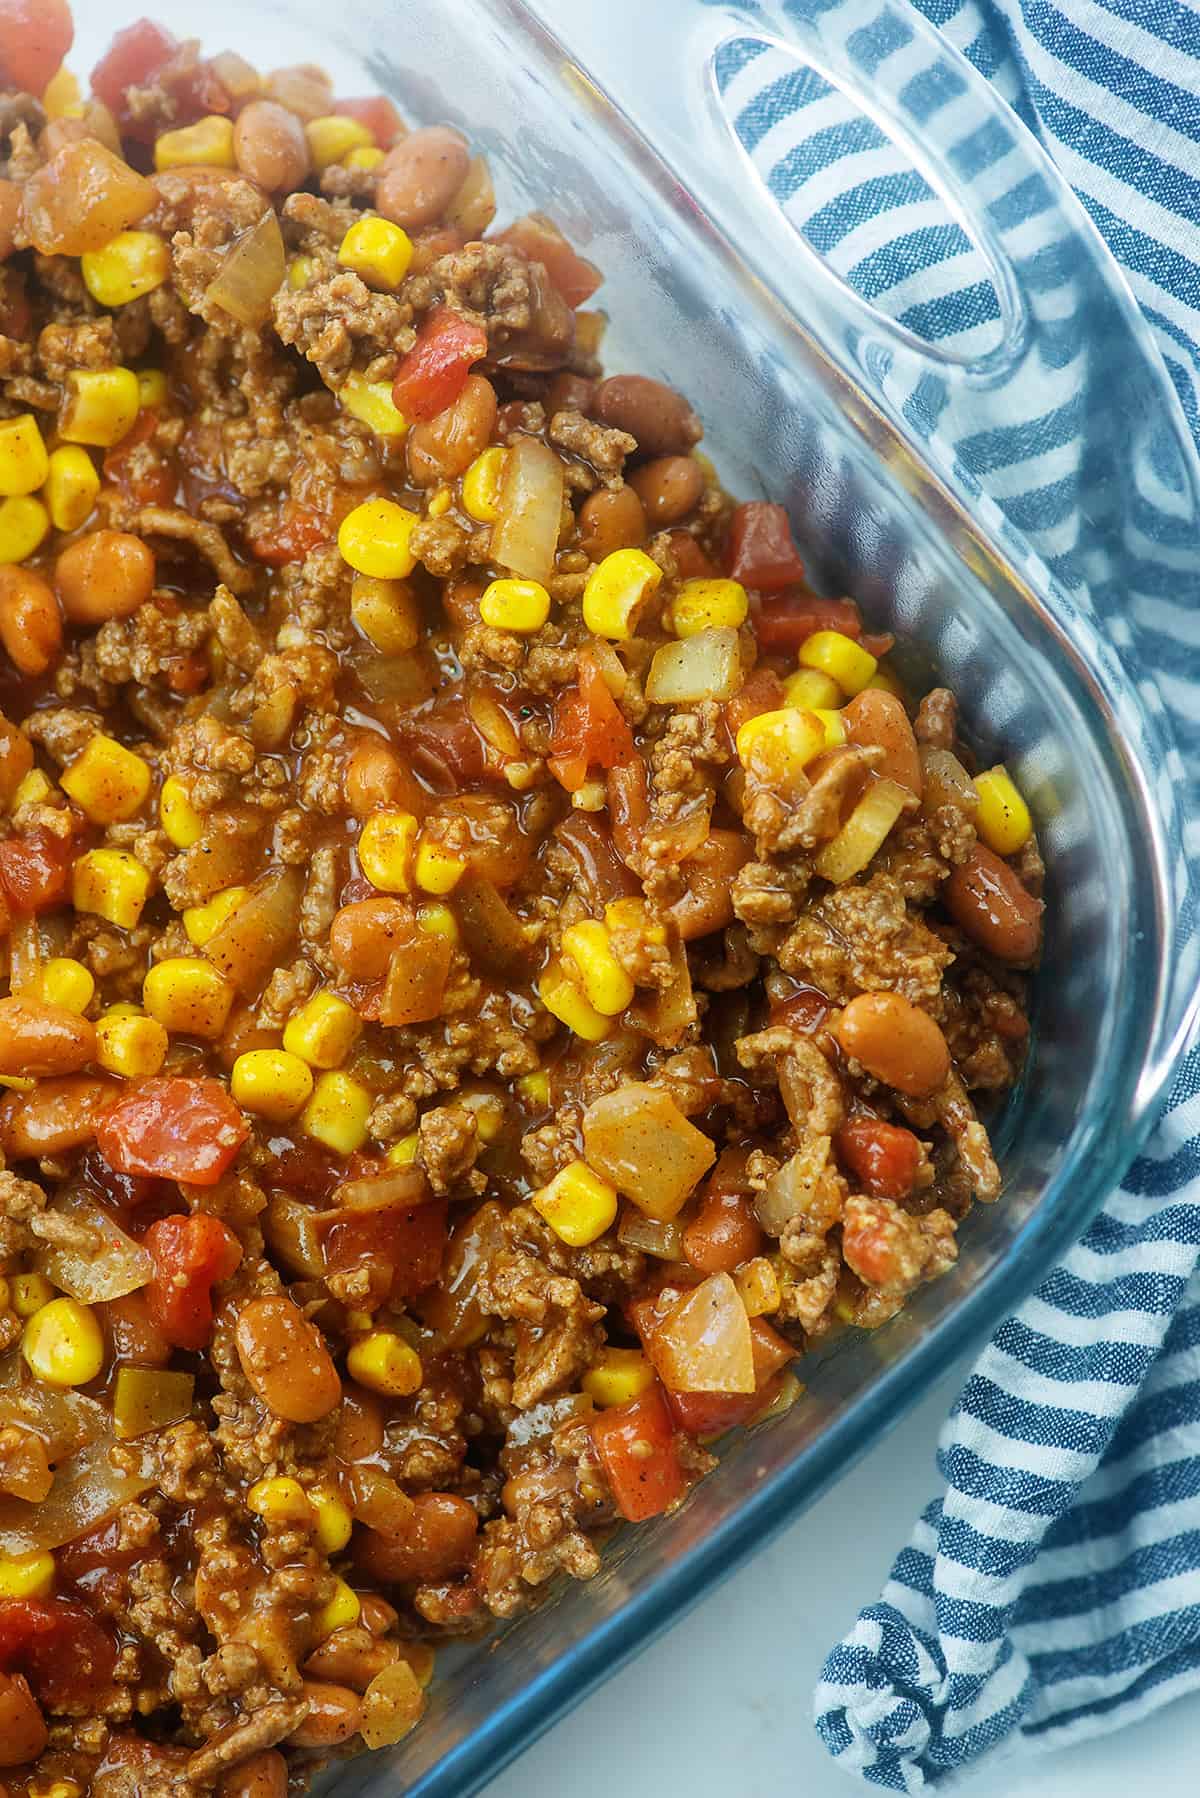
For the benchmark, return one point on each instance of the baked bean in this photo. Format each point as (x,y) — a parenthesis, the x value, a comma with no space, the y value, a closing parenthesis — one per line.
(989,903)
(30,627)
(611,518)
(569,393)
(669,488)
(302,88)
(351,1657)
(56,1116)
(442,447)
(285,1359)
(723,1234)
(419,176)
(362,936)
(661,419)
(270,145)
(135,1335)
(374,777)
(105,574)
(359,1431)
(895,1041)
(708,874)
(22,1726)
(376,1614)
(16,759)
(334,1714)
(37,1039)
(264,1775)
(440,1540)
(879,719)
(10,212)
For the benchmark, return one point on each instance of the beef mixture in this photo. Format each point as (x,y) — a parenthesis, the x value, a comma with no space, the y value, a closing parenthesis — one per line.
(495,966)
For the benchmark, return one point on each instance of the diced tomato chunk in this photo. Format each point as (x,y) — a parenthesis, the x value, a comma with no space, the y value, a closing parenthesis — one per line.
(539,238)
(785,621)
(806,1010)
(191,1254)
(884,1158)
(35,870)
(410,1243)
(62,1650)
(131,60)
(638,1448)
(297,530)
(141,474)
(174,1128)
(377,113)
(435,370)
(589,731)
(35,36)
(770,1350)
(145,54)
(760,552)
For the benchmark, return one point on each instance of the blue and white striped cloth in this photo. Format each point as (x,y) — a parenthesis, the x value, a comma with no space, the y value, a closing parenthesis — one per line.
(1053,1591)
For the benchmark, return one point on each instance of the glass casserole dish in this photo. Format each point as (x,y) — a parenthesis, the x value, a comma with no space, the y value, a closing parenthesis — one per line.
(807,398)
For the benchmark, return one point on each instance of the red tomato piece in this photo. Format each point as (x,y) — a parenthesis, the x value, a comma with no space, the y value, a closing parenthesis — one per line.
(771,1351)
(712,1413)
(133,57)
(35,35)
(191,1254)
(173,1128)
(760,552)
(412,1243)
(690,559)
(589,729)
(141,474)
(35,871)
(639,1450)
(297,531)
(806,1010)
(628,805)
(435,370)
(884,1158)
(540,239)
(64,1653)
(377,113)
(784,621)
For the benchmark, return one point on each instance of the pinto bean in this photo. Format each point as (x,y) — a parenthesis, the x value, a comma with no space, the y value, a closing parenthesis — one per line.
(359,1431)
(661,419)
(362,936)
(37,1039)
(351,1657)
(264,1775)
(441,448)
(420,175)
(22,1726)
(334,1715)
(895,1041)
(56,1116)
(105,574)
(30,627)
(669,488)
(874,717)
(285,1359)
(611,518)
(270,146)
(989,903)
(439,1541)
(723,1234)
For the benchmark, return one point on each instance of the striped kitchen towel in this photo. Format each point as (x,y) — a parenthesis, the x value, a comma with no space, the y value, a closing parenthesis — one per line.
(1053,1591)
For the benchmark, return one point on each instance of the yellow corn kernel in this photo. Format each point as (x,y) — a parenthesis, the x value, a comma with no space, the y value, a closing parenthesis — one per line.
(386,612)
(24,522)
(334,136)
(812,691)
(618,1375)
(886,681)
(841,658)
(272,1083)
(16,1083)
(337,1113)
(438,920)
(334,1522)
(616,590)
(385,850)
(24,463)
(58,1788)
(129,265)
(206,144)
(27,1576)
(631,914)
(372,403)
(30,1292)
(5,1295)
(34,789)
(357,1322)
(342,1611)
(488,1111)
(108,782)
(188,996)
(535,1088)
(130,1044)
(152,387)
(509,605)
(67,983)
(203,921)
(363,156)
(111,883)
(102,404)
(385,1363)
(439,503)
(183,824)
(758,1284)
(563,1000)
(377,250)
(374,539)
(62,1343)
(1002,818)
(438,869)
(776,745)
(281,1500)
(833,724)
(72,484)
(62,98)
(323,1031)
(404,1152)
(299,273)
(705,605)
(578,1205)
(481,485)
(588,947)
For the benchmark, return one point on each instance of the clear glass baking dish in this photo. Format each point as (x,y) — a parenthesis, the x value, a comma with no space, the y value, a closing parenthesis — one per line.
(811,398)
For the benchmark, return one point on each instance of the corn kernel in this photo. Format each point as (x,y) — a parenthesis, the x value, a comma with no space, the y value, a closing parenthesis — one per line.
(705,605)
(616,590)
(337,1113)
(363,156)
(272,1083)
(372,403)
(342,1611)
(812,691)
(385,850)
(188,996)
(203,921)
(5,1295)
(578,1205)
(183,824)
(374,539)
(24,463)
(404,1152)
(377,250)
(438,869)
(334,1522)
(386,613)
(102,404)
(833,724)
(840,657)
(130,1045)
(481,485)
(108,782)
(281,1500)
(111,883)
(1002,818)
(58,1788)
(24,522)
(439,503)
(129,265)
(16,1083)
(488,1111)
(631,914)
(776,745)
(63,1344)
(758,1286)
(62,98)
(152,387)
(535,1088)
(206,144)
(30,1292)
(563,1000)
(617,1376)
(72,484)
(27,1576)
(334,136)
(67,983)
(886,682)
(299,273)
(605,983)
(34,789)
(357,1322)
(509,605)
(438,920)
(383,1362)
(323,1031)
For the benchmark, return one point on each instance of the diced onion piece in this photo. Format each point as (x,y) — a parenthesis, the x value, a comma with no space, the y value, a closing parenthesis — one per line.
(638,1138)
(863,833)
(492,722)
(64,1420)
(379,1502)
(706,666)
(796,1189)
(290,1228)
(87,1489)
(662,1240)
(112,1267)
(392,1705)
(149,1398)
(543,1419)
(704,1343)
(492,933)
(667,1013)
(473,207)
(525,536)
(25,957)
(254,938)
(395,1188)
(251,273)
(946,780)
